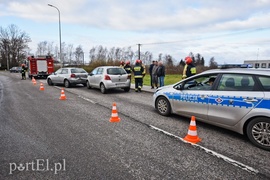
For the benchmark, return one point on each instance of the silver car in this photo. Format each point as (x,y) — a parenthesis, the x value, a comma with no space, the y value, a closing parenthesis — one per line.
(68,77)
(108,77)
(235,99)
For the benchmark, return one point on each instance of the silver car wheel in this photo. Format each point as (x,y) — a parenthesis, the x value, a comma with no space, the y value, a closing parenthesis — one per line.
(88,85)
(163,106)
(261,133)
(103,88)
(258,132)
(67,83)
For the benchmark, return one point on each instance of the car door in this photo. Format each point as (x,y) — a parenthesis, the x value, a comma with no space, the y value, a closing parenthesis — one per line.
(192,99)
(233,98)
(95,77)
(63,75)
(55,76)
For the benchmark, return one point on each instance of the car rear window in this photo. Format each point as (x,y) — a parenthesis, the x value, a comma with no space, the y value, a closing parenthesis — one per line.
(78,70)
(115,71)
(265,81)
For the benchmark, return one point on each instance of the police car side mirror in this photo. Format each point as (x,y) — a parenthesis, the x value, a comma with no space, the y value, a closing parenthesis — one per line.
(178,86)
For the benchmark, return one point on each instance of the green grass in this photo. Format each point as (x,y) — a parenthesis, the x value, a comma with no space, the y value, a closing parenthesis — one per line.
(169,79)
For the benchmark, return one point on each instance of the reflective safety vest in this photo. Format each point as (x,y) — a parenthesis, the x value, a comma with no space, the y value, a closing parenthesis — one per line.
(138,71)
(128,69)
(189,70)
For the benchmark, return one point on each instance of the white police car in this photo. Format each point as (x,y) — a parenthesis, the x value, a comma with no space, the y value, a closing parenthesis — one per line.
(235,99)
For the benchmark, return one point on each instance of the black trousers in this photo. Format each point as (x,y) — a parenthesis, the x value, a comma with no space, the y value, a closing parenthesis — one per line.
(138,83)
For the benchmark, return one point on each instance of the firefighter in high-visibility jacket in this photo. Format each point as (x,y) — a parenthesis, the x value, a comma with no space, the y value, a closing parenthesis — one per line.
(122,64)
(23,71)
(128,68)
(189,69)
(144,71)
(138,75)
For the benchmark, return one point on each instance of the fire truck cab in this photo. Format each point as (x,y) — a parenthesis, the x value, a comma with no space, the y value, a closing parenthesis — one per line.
(40,67)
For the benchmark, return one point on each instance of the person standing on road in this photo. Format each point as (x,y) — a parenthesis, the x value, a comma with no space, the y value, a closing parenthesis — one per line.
(161,73)
(150,73)
(189,69)
(154,75)
(138,75)
(23,71)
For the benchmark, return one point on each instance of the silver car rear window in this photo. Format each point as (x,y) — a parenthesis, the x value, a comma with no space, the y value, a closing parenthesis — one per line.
(78,70)
(115,71)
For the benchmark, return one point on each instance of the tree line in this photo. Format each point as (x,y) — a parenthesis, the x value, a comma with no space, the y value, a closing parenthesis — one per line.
(14,50)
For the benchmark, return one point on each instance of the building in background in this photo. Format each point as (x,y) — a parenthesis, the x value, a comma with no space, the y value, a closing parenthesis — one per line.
(258,63)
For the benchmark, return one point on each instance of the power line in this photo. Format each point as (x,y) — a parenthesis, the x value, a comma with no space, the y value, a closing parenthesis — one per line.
(210,37)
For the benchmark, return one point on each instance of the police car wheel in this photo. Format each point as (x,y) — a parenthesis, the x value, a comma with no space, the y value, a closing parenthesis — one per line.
(163,106)
(103,89)
(258,132)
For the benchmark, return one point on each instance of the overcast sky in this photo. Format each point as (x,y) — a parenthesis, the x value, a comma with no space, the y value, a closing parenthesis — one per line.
(231,31)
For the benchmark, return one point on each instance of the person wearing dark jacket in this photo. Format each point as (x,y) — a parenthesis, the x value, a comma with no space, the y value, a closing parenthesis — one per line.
(138,75)
(150,73)
(128,68)
(23,71)
(161,73)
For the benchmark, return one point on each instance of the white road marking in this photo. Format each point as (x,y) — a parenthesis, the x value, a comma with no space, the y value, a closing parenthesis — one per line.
(213,153)
(89,100)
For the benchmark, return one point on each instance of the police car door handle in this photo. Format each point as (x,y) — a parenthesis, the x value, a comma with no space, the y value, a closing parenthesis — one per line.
(202,96)
(250,100)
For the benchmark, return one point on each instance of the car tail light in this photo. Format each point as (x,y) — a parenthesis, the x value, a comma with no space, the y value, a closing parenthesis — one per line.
(72,75)
(129,76)
(107,77)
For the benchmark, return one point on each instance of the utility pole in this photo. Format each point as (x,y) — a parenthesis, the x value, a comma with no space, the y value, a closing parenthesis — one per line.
(139,51)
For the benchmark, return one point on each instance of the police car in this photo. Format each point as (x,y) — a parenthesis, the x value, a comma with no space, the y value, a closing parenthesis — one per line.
(235,99)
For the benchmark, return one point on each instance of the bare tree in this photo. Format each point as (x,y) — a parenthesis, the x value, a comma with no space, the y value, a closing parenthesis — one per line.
(212,63)
(79,54)
(13,46)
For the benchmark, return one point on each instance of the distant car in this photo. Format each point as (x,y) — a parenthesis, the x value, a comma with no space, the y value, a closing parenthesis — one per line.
(238,100)
(108,77)
(68,77)
(15,70)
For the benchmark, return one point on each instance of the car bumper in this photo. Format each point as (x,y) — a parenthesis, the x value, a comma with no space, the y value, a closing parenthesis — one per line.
(77,81)
(117,85)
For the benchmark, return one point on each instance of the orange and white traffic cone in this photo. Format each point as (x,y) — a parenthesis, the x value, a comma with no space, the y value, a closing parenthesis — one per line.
(34,81)
(114,116)
(41,88)
(192,132)
(63,96)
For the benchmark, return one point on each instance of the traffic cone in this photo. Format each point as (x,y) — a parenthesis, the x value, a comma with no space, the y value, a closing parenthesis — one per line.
(41,87)
(192,132)
(63,96)
(114,117)
(34,81)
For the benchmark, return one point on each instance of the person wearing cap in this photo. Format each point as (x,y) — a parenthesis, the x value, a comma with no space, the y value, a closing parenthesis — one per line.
(189,69)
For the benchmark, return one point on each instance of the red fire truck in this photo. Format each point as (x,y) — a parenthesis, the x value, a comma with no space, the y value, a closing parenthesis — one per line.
(41,66)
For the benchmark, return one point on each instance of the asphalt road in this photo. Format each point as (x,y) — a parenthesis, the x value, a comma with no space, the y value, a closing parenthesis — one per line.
(42,137)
